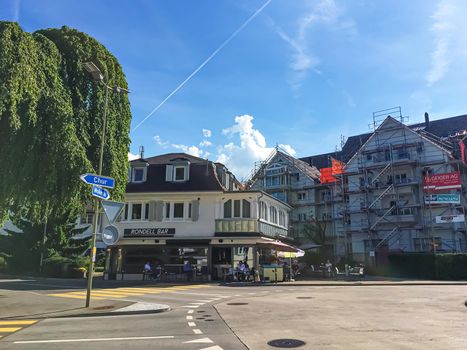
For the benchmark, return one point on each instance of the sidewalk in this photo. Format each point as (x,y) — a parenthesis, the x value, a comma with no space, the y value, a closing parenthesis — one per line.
(29,304)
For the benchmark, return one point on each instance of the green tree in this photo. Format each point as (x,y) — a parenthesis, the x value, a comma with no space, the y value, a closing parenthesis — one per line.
(50,129)
(315,230)
(51,121)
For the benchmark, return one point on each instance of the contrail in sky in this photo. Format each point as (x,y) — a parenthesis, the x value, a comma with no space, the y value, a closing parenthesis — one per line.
(216,51)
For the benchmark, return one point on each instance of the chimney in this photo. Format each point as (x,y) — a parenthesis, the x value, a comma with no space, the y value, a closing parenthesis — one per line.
(427,120)
(141,152)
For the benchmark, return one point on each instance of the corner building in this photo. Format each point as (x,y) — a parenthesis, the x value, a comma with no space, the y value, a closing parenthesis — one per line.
(184,208)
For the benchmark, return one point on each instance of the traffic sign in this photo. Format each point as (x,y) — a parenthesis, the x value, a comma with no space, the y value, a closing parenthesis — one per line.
(110,235)
(100,192)
(112,210)
(103,181)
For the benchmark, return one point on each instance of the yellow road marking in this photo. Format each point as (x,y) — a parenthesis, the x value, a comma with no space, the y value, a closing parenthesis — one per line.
(101,295)
(9,329)
(67,295)
(6,323)
(116,291)
(101,292)
(140,290)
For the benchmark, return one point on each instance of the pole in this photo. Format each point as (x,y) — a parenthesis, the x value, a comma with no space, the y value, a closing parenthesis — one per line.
(41,262)
(96,207)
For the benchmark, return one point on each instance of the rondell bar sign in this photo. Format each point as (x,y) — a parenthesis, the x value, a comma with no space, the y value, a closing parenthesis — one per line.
(148,232)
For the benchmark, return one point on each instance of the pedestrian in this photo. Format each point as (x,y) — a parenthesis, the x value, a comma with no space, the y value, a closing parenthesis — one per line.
(147,271)
(188,270)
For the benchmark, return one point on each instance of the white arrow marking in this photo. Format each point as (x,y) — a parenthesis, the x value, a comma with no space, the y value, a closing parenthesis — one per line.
(215,347)
(202,340)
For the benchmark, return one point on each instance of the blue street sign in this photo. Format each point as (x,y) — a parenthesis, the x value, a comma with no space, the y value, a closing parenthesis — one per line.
(93,179)
(100,192)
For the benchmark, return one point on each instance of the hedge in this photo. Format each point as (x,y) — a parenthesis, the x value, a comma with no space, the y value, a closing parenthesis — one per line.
(428,266)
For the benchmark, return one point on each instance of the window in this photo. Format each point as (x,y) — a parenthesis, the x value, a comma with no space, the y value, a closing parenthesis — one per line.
(179,173)
(138,174)
(427,244)
(245,208)
(126,212)
(263,211)
(87,218)
(400,178)
(167,210)
(301,196)
(146,211)
(279,195)
(178,210)
(302,217)
(136,209)
(189,210)
(228,209)
(368,157)
(236,208)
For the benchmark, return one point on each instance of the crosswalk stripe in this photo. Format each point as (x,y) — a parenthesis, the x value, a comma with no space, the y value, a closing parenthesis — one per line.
(9,329)
(14,322)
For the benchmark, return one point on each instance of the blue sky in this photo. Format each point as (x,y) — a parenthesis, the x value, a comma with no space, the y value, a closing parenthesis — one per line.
(300,74)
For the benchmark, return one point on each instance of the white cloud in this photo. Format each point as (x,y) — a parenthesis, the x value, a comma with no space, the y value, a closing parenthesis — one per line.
(252,147)
(161,142)
(132,156)
(450,38)
(207,133)
(325,12)
(193,150)
(205,143)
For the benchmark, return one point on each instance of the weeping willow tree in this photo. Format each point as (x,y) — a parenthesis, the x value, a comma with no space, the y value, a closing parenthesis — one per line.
(51,115)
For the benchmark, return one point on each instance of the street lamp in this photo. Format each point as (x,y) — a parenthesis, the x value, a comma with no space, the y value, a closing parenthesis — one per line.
(97,76)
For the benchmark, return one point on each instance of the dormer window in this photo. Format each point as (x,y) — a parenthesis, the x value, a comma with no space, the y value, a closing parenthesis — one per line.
(138,174)
(177,171)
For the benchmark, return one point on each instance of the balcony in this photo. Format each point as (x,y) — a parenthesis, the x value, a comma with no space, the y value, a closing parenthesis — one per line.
(236,225)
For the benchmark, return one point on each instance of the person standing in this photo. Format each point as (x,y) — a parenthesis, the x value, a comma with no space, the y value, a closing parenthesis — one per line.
(188,270)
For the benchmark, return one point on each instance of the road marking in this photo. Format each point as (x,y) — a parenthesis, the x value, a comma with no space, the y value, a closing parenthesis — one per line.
(89,340)
(197,331)
(190,311)
(215,347)
(191,306)
(191,324)
(6,323)
(202,340)
(189,317)
(9,329)
(197,303)
(205,301)
(67,295)
(237,295)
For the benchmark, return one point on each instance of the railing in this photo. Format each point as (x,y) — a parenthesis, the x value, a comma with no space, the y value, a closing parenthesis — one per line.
(236,225)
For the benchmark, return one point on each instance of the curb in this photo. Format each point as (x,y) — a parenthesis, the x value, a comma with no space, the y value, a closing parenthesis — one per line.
(117,313)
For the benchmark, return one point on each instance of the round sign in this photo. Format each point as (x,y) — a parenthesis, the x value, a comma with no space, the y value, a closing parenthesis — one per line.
(110,235)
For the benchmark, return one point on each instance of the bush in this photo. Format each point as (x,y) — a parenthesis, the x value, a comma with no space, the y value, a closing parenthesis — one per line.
(429,266)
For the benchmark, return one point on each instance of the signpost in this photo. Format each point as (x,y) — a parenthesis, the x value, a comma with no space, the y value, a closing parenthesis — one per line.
(99,180)
(100,192)
(112,210)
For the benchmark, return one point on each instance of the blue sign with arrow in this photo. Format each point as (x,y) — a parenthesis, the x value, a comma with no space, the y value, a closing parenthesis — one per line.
(99,180)
(100,192)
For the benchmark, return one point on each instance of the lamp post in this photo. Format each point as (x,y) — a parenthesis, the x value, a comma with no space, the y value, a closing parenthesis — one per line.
(97,76)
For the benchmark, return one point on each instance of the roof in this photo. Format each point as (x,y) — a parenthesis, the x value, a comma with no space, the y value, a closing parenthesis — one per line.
(202,175)
(441,128)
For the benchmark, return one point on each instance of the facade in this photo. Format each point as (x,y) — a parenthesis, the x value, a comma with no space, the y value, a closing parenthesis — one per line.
(182,208)
(291,181)
(381,203)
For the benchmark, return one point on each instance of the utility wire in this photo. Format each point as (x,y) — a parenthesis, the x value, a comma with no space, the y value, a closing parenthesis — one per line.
(216,51)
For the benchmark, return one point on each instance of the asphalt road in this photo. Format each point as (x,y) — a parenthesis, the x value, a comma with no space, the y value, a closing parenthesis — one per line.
(213,317)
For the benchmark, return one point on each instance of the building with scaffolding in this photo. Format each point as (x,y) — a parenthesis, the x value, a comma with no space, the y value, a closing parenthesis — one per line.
(291,181)
(402,189)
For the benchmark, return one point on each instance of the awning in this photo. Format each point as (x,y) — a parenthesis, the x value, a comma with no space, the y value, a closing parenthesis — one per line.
(268,243)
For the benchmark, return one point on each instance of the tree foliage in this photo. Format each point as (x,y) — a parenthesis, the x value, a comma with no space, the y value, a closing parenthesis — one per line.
(315,230)
(51,121)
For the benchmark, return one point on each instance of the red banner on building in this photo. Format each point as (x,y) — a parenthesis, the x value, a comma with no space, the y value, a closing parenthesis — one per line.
(462,147)
(441,182)
(326,176)
(337,166)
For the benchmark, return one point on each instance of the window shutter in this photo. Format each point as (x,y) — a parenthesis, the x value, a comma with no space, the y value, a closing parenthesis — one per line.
(145,173)
(152,211)
(195,210)
(159,208)
(169,173)
(187,172)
